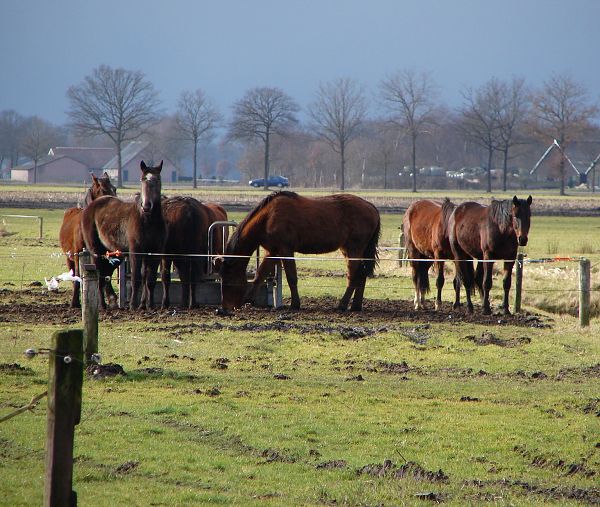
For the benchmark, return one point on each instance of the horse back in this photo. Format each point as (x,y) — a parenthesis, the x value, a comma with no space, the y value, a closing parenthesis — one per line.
(468,227)
(186,220)
(105,224)
(70,236)
(425,226)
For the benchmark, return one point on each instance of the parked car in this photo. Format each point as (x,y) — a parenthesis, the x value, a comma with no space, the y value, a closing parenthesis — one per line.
(272,181)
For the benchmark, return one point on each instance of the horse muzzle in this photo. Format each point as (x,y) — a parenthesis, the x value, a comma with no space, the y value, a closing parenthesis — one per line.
(523,240)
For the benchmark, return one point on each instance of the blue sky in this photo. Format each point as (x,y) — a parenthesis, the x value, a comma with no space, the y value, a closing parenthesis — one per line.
(226,47)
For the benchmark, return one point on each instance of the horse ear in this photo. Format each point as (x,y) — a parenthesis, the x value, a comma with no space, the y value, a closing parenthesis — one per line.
(143,166)
(94,179)
(105,175)
(515,201)
(529,200)
(160,166)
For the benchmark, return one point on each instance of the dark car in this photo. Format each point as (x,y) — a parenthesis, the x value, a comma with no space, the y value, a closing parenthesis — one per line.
(272,181)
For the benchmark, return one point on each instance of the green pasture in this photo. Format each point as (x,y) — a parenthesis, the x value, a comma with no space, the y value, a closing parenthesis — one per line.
(282,408)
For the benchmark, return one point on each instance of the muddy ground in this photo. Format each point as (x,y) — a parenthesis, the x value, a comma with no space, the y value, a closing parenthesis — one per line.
(37,304)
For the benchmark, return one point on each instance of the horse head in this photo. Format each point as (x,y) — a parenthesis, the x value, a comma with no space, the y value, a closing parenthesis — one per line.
(102,186)
(234,284)
(151,187)
(521,218)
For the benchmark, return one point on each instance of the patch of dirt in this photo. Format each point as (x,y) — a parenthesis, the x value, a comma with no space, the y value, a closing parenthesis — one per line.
(329,465)
(272,455)
(126,467)
(409,469)
(488,338)
(38,304)
(590,496)
(540,460)
(100,371)
(15,368)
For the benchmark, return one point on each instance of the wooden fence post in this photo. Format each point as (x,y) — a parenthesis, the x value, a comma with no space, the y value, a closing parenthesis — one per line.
(41,221)
(123,282)
(64,411)
(90,302)
(584,292)
(518,282)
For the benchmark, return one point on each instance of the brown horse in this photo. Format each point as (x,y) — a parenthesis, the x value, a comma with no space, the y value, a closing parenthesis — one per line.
(425,227)
(187,222)
(71,238)
(137,228)
(284,223)
(487,233)
(220,235)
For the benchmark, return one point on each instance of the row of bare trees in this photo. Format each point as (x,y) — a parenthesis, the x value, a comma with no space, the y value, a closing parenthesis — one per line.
(497,120)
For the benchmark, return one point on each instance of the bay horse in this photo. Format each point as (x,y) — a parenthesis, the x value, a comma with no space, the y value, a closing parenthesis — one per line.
(487,233)
(425,227)
(137,228)
(187,221)
(284,223)
(71,238)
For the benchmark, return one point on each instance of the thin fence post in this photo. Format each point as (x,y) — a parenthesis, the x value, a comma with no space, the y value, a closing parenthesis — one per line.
(584,292)
(90,302)
(123,283)
(518,282)
(41,220)
(64,412)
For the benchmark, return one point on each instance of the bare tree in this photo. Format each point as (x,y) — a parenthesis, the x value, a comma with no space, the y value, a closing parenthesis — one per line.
(11,133)
(479,119)
(196,119)
(562,112)
(118,103)
(38,137)
(513,109)
(338,111)
(409,98)
(261,113)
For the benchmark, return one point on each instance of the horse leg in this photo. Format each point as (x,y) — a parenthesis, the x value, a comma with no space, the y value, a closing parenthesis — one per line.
(150,273)
(359,282)
(487,284)
(72,266)
(439,283)
(165,277)
(291,275)
(351,267)
(109,291)
(415,279)
(506,283)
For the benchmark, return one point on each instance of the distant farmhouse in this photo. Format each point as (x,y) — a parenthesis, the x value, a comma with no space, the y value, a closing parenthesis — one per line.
(74,165)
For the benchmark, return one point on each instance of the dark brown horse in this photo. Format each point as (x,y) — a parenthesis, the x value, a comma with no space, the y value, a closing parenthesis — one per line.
(487,233)
(137,228)
(425,227)
(284,223)
(71,238)
(187,222)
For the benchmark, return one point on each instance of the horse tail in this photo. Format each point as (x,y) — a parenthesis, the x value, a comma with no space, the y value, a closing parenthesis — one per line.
(422,276)
(371,253)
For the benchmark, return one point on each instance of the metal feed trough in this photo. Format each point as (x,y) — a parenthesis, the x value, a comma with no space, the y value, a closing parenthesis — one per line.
(208,290)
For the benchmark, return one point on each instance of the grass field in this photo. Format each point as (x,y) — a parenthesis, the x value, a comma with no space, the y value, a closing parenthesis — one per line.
(290,408)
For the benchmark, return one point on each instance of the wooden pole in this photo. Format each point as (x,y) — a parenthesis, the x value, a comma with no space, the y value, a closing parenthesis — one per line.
(123,283)
(518,282)
(90,303)
(584,292)
(41,220)
(64,411)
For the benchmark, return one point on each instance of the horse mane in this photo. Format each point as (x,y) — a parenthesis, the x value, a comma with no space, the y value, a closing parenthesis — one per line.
(447,209)
(234,239)
(500,212)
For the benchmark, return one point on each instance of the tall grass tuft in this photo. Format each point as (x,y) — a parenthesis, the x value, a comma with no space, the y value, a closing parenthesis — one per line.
(552,246)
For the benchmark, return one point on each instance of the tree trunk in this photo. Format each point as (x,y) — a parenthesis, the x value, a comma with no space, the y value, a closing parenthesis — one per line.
(385,169)
(414,162)
(504,168)
(35,171)
(119,165)
(561,171)
(343,166)
(267,147)
(195,185)
(489,169)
